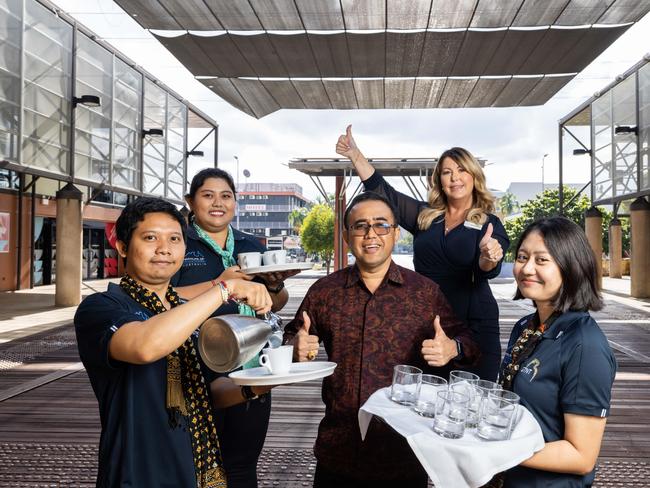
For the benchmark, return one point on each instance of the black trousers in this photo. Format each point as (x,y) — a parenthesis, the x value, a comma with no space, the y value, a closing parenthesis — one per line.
(324,478)
(242,430)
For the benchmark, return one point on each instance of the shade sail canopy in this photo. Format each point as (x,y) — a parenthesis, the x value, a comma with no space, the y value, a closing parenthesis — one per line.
(262,97)
(377,14)
(392,54)
(265,55)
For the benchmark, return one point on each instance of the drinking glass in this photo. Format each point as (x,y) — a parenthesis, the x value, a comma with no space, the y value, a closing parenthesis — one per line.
(425,404)
(479,391)
(497,415)
(463,382)
(451,414)
(406,384)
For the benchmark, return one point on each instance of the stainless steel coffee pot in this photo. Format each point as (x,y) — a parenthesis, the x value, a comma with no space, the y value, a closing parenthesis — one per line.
(227,342)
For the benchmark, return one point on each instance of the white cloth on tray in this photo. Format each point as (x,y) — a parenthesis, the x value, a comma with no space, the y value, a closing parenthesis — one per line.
(454,463)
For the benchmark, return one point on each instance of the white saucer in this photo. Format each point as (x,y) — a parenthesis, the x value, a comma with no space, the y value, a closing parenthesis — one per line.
(274,268)
(299,372)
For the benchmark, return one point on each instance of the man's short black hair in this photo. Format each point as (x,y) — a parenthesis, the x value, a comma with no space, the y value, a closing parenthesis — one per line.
(368,196)
(567,244)
(135,212)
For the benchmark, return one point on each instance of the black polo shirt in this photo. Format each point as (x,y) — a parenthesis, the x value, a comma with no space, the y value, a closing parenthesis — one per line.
(571,370)
(137,447)
(203,264)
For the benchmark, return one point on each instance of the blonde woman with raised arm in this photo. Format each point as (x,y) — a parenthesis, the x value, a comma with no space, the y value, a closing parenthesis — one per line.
(457,240)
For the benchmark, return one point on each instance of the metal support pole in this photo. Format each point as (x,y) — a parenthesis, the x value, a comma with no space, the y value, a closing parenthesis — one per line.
(31,240)
(560,188)
(19,250)
(237,187)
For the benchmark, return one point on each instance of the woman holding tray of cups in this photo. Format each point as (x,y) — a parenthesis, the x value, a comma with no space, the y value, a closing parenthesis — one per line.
(558,360)
(213,247)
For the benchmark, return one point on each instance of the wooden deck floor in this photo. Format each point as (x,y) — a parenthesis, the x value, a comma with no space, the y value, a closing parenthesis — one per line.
(49,433)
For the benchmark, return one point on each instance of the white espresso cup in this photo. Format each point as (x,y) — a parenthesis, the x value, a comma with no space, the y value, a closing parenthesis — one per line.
(277,359)
(249,260)
(274,257)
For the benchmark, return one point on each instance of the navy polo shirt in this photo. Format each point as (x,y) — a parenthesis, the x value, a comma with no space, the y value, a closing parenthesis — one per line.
(137,446)
(203,264)
(571,370)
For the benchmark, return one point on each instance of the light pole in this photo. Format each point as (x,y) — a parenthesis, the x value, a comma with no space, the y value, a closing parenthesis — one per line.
(246,174)
(543,158)
(237,187)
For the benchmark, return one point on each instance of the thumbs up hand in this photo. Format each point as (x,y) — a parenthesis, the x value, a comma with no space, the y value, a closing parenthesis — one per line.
(305,346)
(490,248)
(441,349)
(346,146)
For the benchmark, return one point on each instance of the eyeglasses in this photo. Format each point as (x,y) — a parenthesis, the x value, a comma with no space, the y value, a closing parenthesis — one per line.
(380,228)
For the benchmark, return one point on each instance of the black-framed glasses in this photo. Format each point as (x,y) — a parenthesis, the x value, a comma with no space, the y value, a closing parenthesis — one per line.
(380,228)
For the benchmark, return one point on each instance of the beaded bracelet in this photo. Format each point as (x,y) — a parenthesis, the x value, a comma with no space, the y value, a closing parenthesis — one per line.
(225,295)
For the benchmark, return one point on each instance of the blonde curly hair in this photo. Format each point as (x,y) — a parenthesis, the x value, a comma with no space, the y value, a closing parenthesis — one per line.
(482,199)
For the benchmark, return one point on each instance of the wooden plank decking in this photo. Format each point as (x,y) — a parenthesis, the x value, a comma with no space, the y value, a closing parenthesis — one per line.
(49,433)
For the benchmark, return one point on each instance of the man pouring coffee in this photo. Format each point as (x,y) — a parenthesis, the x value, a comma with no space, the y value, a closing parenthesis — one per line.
(137,342)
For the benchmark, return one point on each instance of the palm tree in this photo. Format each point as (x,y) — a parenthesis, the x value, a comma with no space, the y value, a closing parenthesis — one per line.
(296,218)
(508,204)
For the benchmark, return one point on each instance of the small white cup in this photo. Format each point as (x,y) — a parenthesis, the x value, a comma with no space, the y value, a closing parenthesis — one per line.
(277,360)
(249,260)
(274,257)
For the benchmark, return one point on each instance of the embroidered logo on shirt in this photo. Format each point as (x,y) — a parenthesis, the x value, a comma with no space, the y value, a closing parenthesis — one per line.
(194,258)
(532,368)
(142,315)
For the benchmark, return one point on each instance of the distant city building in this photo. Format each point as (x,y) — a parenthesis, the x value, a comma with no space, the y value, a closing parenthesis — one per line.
(264,208)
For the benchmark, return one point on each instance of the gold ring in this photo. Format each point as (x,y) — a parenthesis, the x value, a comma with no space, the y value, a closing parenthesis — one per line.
(311,355)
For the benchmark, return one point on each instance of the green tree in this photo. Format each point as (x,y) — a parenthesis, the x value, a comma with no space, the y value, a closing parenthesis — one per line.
(297,217)
(317,232)
(508,204)
(547,204)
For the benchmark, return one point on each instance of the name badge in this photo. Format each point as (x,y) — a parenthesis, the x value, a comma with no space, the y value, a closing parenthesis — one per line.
(472,225)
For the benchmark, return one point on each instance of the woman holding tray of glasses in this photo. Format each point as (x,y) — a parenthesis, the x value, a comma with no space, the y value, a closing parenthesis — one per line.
(558,360)
(211,257)
(457,241)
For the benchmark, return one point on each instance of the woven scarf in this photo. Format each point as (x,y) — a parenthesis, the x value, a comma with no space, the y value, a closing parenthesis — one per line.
(187,393)
(228,260)
(523,348)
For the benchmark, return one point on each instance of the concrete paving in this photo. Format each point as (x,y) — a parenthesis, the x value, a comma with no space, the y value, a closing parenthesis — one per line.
(48,410)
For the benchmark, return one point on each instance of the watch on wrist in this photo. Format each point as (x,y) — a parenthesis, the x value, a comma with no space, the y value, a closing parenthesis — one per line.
(459,349)
(277,289)
(248,393)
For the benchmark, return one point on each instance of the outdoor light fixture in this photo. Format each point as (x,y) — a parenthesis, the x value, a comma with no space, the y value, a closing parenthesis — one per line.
(87,100)
(626,129)
(580,152)
(194,153)
(153,132)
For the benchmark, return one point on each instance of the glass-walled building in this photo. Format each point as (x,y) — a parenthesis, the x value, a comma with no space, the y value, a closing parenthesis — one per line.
(608,137)
(75,110)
